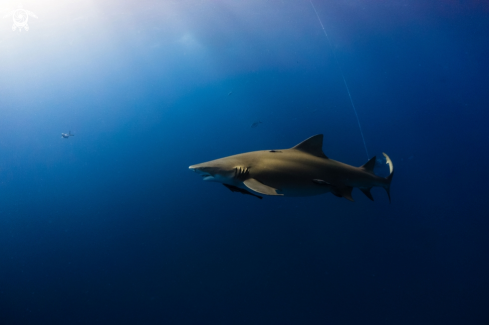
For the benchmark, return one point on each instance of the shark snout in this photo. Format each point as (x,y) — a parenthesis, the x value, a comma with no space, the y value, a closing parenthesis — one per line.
(197,170)
(205,175)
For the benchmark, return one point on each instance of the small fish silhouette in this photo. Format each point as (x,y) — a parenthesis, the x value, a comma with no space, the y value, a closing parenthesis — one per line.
(255,124)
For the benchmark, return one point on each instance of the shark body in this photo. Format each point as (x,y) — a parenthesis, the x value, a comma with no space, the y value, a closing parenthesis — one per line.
(303,170)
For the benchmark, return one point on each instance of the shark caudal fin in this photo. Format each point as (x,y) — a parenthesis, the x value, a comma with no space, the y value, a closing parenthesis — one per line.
(389,178)
(369,167)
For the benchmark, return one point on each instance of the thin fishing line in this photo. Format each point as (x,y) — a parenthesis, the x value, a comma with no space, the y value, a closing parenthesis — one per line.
(343,76)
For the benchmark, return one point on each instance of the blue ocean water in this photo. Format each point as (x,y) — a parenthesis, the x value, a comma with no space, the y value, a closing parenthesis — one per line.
(110,227)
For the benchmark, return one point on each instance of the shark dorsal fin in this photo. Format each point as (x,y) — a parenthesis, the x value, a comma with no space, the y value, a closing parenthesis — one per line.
(369,165)
(313,146)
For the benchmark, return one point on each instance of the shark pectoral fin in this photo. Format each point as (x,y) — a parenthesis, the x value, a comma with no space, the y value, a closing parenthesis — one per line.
(256,186)
(366,191)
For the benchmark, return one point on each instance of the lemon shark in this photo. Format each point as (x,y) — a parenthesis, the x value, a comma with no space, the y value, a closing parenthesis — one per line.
(302,170)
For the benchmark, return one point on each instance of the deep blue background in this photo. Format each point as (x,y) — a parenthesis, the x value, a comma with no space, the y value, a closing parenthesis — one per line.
(110,226)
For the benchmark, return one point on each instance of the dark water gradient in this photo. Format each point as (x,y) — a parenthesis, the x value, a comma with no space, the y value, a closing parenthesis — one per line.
(110,227)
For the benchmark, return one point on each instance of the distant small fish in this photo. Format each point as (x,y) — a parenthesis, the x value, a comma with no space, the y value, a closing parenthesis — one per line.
(67,135)
(229,93)
(255,124)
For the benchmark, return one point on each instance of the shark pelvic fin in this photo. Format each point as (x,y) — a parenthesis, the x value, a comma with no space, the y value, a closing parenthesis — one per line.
(344,192)
(369,166)
(366,191)
(313,146)
(256,186)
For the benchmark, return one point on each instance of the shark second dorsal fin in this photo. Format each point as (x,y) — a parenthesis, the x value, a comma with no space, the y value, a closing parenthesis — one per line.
(313,146)
(369,165)
(261,188)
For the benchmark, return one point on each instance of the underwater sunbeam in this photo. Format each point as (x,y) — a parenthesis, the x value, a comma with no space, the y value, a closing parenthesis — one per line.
(343,76)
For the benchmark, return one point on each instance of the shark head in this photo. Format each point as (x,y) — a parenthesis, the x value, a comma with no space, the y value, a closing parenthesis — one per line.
(216,171)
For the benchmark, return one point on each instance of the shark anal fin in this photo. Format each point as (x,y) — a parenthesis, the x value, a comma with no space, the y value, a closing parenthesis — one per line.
(313,146)
(346,193)
(369,166)
(240,190)
(256,186)
(366,191)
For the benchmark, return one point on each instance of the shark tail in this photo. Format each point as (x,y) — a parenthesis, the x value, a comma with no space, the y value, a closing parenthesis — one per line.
(387,185)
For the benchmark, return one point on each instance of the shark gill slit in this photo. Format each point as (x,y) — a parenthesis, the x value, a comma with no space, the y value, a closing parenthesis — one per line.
(343,76)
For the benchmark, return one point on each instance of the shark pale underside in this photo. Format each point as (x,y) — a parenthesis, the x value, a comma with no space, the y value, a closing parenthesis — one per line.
(303,170)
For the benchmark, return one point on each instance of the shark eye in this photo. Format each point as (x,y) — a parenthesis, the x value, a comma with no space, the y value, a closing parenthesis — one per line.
(275,151)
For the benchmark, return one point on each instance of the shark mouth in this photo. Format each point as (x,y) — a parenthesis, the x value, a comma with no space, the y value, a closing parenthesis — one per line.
(205,175)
